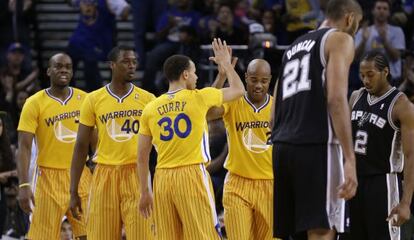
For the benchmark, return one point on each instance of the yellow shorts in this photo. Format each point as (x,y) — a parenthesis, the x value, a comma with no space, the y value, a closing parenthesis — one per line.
(114,202)
(52,197)
(248,208)
(184,204)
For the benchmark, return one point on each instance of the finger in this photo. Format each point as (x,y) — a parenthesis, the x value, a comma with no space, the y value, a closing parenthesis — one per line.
(229,50)
(33,200)
(75,213)
(225,44)
(212,59)
(80,207)
(234,61)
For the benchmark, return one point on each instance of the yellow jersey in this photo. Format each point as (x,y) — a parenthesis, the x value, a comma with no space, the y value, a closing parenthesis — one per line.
(55,125)
(298,8)
(248,129)
(178,126)
(117,120)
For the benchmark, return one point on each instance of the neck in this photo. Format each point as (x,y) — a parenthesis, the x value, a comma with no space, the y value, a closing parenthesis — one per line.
(383,91)
(176,85)
(329,23)
(380,23)
(119,88)
(257,103)
(59,92)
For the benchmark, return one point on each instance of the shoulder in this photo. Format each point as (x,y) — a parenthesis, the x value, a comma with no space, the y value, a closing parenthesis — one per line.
(79,93)
(144,94)
(338,39)
(38,96)
(402,104)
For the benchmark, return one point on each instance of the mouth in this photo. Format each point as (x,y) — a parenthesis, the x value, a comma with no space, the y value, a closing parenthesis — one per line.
(64,78)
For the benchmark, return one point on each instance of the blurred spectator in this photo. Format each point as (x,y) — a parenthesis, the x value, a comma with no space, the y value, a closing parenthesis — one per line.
(407,86)
(301,16)
(16,17)
(17,223)
(6,167)
(383,37)
(66,230)
(146,14)
(14,76)
(225,28)
(93,38)
(20,99)
(181,14)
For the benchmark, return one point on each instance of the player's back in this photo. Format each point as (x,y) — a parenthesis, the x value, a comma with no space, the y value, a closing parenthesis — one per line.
(301,106)
(177,123)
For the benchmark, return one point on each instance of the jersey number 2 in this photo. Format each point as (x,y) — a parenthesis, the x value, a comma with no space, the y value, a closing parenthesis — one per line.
(170,129)
(291,83)
(361,140)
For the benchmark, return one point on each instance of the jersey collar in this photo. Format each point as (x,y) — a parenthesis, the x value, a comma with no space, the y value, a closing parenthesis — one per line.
(119,99)
(255,109)
(64,102)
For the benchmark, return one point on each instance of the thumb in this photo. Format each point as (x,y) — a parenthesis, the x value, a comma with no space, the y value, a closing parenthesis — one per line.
(33,200)
(212,59)
(392,213)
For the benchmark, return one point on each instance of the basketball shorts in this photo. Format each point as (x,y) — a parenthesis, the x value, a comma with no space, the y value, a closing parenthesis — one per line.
(305,189)
(248,207)
(114,202)
(52,197)
(184,204)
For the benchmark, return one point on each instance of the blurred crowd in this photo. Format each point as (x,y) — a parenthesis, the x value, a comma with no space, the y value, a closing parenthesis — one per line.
(258,29)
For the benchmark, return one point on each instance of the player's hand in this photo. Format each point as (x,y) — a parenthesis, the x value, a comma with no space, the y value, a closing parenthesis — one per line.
(348,189)
(399,214)
(234,60)
(25,198)
(146,204)
(75,205)
(221,52)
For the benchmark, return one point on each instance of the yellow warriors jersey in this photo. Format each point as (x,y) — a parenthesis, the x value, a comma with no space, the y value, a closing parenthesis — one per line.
(177,123)
(298,8)
(248,128)
(117,120)
(55,125)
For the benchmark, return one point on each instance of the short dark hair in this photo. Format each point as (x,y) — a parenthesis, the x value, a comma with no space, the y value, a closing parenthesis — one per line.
(174,66)
(336,9)
(386,1)
(114,53)
(380,61)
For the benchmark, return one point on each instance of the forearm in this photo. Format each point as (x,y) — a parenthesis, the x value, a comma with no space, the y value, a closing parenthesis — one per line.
(219,82)
(22,84)
(360,50)
(392,52)
(23,162)
(78,162)
(408,185)
(339,113)
(143,171)
(233,79)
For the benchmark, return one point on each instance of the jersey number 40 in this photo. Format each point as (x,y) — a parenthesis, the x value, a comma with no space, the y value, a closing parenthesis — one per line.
(292,81)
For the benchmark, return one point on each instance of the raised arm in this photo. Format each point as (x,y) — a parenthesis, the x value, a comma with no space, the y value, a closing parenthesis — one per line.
(80,153)
(339,50)
(25,195)
(223,59)
(403,113)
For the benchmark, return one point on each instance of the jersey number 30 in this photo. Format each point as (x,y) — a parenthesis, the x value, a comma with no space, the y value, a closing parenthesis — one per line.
(171,127)
(291,83)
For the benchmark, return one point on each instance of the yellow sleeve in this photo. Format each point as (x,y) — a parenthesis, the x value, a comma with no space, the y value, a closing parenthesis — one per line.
(87,113)
(226,107)
(144,128)
(211,96)
(29,118)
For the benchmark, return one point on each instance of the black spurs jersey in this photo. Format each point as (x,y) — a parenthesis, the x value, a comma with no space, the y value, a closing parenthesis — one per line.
(376,137)
(301,115)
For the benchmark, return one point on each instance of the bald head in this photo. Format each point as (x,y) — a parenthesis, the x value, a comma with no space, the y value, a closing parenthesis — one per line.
(55,58)
(259,65)
(258,78)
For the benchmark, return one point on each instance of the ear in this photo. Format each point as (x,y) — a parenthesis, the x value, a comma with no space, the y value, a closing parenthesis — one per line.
(185,74)
(48,71)
(386,72)
(111,65)
(350,19)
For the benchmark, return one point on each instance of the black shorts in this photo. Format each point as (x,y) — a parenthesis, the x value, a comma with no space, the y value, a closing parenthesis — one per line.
(305,188)
(369,209)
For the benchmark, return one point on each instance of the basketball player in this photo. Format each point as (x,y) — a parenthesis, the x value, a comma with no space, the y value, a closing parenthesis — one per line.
(383,130)
(115,110)
(51,118)
(248,188)
(176,124)
(312,128)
